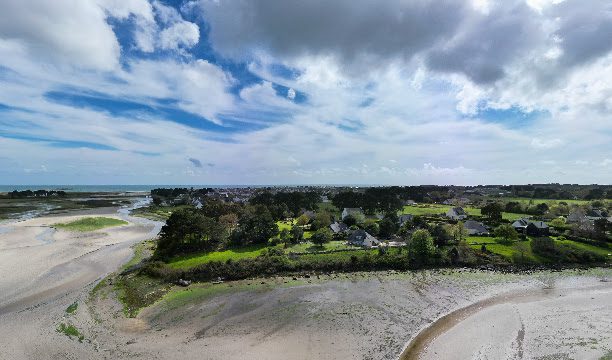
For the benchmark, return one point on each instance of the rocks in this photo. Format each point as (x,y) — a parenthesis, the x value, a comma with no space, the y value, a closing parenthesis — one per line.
(183,283)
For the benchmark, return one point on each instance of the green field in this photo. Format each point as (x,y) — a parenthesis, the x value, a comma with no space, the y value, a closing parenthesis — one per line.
(436,209)
(526,201)
(90,224)
(249,252)
(507,251)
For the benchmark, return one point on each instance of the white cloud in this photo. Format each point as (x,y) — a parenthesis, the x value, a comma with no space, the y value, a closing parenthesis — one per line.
(290,94)
(180,34)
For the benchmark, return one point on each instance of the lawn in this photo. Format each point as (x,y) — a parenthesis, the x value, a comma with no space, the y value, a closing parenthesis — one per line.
(249,252)
(581,246)
(90,224)
(507,251)
(245,252)
(525,201)
(287,225)
(436,209)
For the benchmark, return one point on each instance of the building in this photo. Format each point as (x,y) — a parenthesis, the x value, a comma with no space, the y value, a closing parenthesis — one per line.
(537,228)
(475,228)
(355,212)
(520,225)
(456,213)
(362,238)
(338,228)
(405,218)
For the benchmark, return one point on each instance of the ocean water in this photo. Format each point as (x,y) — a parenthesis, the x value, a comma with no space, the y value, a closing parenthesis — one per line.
(113,188)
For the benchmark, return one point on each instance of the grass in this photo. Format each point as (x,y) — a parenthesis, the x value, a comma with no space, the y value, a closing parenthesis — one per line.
(585,247)
(508,251)
(437,209)
(91,224)
(157,213)
(70,331)
(196,259)
(142,250)
(72,308)
(251,251)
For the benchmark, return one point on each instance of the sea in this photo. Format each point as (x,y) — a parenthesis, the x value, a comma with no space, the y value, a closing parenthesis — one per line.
(132,188)
(108,188)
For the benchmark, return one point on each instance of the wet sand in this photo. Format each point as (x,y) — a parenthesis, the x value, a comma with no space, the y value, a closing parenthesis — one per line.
(570,320)
(42,268)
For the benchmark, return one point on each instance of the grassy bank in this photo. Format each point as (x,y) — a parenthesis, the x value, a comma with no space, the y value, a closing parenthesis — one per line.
(90,224)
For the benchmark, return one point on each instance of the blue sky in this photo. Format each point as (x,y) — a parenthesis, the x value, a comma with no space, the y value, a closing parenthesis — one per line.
(292,92)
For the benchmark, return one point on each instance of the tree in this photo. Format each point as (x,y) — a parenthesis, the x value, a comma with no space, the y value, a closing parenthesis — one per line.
(297,234)
(229,222)
(558,223)
(441,234)
(387,228)
(601,226)
(492,211)
(321,237)
(322,220)
(303,220)
(505,233)
(188,230)
(371,226)
(421,245)
(522,248)
(350,220)
(458,232)
(285,236)
(256,225)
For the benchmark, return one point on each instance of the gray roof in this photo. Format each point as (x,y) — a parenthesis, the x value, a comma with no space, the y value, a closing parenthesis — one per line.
(338,227)
(363,238)
(475,225)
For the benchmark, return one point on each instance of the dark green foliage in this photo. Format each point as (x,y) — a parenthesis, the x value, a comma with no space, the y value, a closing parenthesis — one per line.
(188,230)
(322,236)
(350,220)
(257,226)
(440,235)
(505,233)
(389,225)
(421,246)
(297,234)
(493,211)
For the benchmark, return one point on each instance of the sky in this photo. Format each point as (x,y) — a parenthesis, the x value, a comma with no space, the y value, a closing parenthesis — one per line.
(399,92)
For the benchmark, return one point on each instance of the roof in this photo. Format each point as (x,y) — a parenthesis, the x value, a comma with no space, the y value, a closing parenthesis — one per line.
(521,223)
(458,210)
(539,224)
(353,210)
(362,237)
(474,225)
(338,227)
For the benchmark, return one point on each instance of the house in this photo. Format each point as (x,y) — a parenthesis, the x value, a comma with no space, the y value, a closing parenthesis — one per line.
(596,214)
(475,228)
(405,218)
(338,228)
(311,214)
(575,216)
(410,202)
(456,213)
(537,228)
(362,238)
(520,225)
(355,212)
